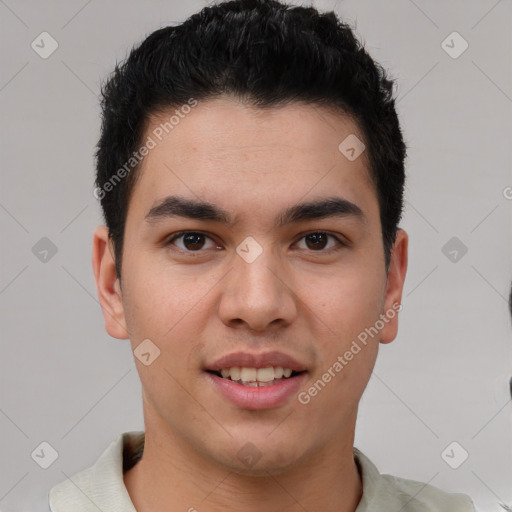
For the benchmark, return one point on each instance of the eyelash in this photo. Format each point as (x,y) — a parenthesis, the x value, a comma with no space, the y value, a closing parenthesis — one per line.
(340,246)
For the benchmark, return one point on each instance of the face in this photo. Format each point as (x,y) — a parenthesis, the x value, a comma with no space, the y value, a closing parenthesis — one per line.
(280,268)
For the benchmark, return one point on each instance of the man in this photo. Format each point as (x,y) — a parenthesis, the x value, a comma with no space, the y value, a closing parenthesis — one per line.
(251,172)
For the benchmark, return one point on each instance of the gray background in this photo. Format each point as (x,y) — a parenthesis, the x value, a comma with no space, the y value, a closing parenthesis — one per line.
(444,379)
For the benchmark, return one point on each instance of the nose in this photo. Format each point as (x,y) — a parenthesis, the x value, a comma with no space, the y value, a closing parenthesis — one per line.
(256,295)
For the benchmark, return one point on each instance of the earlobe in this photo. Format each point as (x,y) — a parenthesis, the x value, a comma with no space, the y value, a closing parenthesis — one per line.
(394,288)
(107,284)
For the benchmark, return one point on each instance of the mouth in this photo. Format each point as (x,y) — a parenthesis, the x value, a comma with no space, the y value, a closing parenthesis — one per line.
(257,381)
(256,377)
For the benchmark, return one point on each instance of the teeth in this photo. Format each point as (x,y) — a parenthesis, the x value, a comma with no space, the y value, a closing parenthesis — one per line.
(265,374)
(248,374)
(252,376)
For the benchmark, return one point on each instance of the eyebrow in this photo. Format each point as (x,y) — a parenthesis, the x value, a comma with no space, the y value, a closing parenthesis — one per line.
(330,207)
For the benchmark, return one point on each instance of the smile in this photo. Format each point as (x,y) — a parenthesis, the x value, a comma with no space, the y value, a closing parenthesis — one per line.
(256,377)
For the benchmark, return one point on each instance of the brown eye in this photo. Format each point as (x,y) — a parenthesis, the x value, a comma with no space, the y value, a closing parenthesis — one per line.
(318,241)
(191,241)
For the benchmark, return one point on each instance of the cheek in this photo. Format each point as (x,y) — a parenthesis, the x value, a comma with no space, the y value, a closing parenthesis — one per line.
(347,302)
(331,398)
(167,308)
(159,299)
(352,306)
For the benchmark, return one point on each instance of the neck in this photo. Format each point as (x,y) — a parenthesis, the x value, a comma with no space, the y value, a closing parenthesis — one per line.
(172,476)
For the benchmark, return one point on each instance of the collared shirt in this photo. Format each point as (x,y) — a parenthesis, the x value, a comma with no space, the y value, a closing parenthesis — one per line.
(101,486)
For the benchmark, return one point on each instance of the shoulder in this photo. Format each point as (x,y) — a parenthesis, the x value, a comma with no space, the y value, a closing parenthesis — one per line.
(72,492)
(387,492)
(419,496)
(101,486)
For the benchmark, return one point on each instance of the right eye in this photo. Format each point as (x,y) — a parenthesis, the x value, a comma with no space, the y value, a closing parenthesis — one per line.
(192,241)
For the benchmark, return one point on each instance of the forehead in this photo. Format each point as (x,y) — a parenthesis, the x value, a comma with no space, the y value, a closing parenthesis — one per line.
(224,150)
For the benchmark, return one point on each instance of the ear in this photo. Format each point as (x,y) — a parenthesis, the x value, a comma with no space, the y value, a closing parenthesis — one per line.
(107,283)
(395,285)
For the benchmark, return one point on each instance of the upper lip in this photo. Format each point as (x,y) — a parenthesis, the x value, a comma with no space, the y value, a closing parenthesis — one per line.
(264,360)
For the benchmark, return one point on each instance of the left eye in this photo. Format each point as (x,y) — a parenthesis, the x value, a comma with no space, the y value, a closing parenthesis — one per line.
(318,240)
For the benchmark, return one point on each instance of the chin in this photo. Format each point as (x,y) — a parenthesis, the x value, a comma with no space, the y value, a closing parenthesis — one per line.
(259,458)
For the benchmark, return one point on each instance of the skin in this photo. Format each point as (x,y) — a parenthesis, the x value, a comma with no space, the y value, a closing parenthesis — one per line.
(196,306)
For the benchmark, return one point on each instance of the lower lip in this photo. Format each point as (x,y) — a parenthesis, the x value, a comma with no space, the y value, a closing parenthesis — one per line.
(258,398)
